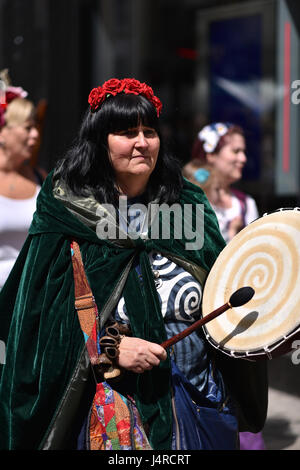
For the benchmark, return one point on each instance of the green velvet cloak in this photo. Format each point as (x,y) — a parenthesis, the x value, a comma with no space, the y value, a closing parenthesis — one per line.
(46,366)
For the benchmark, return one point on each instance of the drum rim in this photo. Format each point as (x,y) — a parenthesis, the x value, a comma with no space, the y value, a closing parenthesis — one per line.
(265,351)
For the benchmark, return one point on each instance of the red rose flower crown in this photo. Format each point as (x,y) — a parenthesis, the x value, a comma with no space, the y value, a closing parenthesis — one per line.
(126,85)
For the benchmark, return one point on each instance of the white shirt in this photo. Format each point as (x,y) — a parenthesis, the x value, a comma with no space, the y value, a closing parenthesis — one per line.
(15,219)
(225,216)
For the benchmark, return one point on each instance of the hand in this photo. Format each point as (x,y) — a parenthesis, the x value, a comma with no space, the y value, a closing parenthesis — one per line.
(138,355)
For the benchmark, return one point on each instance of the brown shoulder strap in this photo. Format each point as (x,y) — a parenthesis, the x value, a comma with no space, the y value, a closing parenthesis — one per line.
(84,303)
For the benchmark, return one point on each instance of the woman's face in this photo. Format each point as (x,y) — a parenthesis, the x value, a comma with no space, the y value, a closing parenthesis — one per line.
(134,152)
(231,159)
(18,142)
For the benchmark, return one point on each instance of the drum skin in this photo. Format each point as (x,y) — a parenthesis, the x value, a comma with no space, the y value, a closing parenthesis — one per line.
(265,255)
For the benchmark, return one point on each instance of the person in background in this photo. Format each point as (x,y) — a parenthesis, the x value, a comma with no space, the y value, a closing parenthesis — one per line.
(218,159)
(91,262)
(19,182)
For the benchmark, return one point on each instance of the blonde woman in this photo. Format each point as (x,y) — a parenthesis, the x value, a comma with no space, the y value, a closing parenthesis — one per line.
(19,182)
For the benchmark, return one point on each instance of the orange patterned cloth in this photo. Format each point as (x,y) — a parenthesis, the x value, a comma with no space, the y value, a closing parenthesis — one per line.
(115,423)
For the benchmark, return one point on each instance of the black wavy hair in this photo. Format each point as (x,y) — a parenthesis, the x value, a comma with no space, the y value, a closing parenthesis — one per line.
(86,167)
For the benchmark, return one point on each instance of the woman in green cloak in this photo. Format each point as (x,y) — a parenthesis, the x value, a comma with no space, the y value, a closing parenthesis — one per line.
(120,230)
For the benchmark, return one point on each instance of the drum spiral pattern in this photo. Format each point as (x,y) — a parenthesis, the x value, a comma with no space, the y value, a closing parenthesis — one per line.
(265,256)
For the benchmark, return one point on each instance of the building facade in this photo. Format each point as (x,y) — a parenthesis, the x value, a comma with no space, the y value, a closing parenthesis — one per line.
(207,60)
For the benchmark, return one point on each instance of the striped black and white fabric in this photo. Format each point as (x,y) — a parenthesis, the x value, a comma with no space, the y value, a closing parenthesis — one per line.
(180,299)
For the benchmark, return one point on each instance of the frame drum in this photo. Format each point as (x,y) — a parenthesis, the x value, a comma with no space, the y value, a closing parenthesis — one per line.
(265,255)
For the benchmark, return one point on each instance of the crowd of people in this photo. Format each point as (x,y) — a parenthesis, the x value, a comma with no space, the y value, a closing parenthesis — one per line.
(88,294)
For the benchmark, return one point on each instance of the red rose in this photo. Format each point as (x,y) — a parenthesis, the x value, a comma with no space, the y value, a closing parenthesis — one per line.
(146,91)
(96,97)
(157,103)
(132,86)
(113,86)
(10,95)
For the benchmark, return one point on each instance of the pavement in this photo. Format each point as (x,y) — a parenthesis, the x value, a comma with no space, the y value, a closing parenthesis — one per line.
(282,428)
